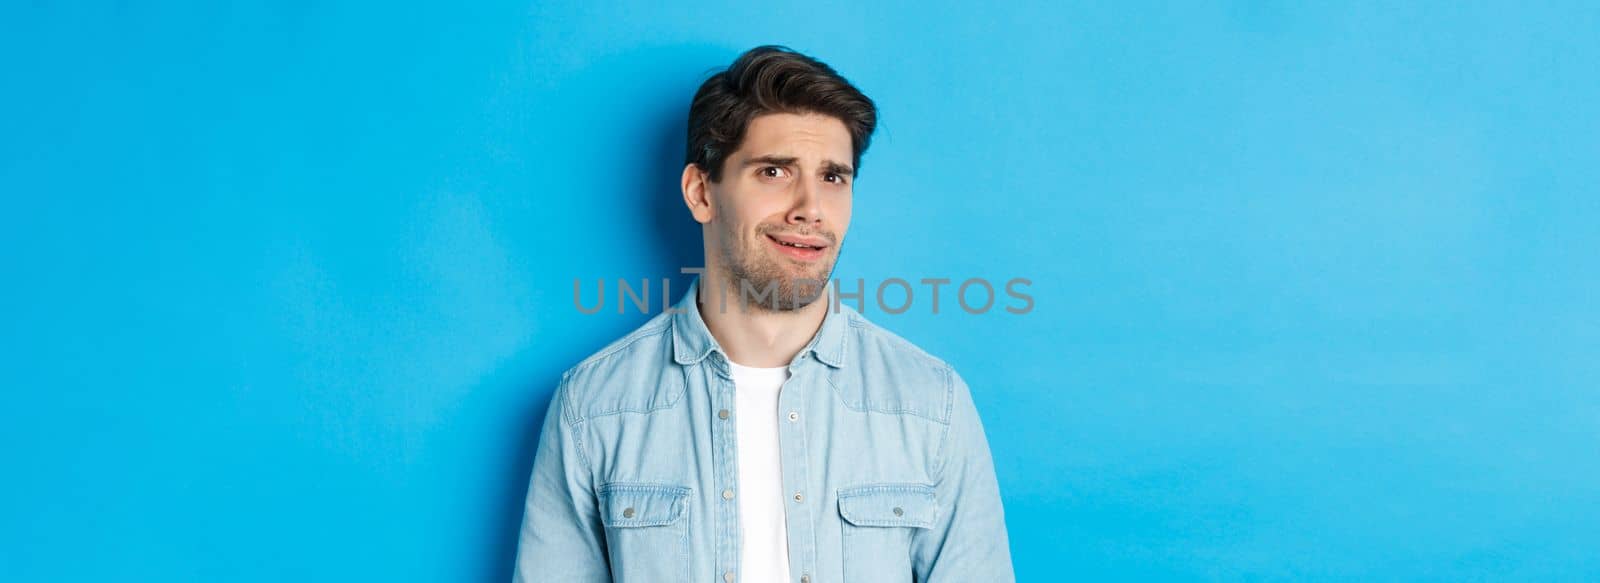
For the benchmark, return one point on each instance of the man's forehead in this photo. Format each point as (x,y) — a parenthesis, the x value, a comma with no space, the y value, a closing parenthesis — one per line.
(803,136)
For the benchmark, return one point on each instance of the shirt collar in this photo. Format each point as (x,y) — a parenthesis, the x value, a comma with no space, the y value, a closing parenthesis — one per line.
(692,340)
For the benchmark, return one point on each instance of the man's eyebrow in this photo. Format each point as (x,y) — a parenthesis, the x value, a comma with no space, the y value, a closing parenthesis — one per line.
(827,165)
(770,160)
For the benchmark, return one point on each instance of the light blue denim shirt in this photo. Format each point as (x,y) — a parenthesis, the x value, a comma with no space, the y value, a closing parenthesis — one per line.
(886,468)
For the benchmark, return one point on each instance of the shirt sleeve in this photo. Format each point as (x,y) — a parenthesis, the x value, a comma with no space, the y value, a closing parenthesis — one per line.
(968,541)
(561,538)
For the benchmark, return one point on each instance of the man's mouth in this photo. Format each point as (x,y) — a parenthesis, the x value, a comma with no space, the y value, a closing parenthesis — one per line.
(801,248)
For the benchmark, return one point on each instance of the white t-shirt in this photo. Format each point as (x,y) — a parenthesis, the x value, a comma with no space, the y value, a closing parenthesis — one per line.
(764,554)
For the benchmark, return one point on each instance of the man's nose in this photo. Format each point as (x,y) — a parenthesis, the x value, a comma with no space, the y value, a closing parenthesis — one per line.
(807,207)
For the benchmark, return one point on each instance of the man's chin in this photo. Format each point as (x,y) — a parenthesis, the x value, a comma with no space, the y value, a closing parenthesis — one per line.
(808,281)
(809,290)
(793,302)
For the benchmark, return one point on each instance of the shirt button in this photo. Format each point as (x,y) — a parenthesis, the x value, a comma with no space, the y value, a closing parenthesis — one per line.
(627,513)
(898,511)
(727,576)
(805,579)
(723,414)
(728,495)
(793,415)
(798,497)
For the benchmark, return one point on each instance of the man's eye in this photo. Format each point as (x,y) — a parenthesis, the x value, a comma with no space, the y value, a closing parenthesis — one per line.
(839,178)
(771,172)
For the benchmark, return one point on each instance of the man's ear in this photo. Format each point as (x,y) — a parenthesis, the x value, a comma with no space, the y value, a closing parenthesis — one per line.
(697,193)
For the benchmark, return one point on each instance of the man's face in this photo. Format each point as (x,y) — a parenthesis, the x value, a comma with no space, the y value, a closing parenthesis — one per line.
(779,215)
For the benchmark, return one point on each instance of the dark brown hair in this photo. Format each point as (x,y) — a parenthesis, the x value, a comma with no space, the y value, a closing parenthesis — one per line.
(771,79)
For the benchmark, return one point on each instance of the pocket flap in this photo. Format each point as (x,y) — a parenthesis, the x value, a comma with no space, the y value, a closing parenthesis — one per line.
(626,504)
(910,505)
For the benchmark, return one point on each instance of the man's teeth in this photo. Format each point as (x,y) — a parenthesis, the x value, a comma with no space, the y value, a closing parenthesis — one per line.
(795,245)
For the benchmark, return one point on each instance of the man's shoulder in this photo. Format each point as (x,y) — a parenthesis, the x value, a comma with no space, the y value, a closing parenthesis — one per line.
(889,373)
(628,374)
(872,338)
(640,342)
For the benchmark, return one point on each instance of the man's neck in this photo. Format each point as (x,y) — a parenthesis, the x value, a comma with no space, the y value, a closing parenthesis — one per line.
(757,337)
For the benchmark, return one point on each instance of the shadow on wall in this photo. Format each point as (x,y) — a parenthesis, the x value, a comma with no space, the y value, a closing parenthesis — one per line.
(655,144)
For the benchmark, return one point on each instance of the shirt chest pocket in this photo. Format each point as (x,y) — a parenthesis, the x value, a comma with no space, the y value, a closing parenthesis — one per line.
(647,531)
(879,521)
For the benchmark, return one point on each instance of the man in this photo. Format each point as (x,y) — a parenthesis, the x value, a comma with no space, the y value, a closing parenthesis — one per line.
(754,433)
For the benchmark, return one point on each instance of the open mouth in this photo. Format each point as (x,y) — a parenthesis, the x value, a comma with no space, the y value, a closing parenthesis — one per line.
(804,250)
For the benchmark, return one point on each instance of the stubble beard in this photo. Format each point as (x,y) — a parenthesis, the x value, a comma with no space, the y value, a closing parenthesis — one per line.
(752,271)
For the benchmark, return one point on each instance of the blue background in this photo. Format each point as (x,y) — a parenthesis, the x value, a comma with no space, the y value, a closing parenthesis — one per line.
(287,286)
